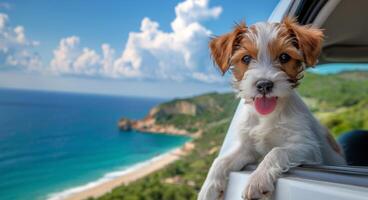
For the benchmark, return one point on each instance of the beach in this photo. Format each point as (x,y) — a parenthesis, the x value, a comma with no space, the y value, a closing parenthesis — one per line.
(136,172)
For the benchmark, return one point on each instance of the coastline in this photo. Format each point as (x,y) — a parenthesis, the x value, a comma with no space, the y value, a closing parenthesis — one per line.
(114,179)
(148,125)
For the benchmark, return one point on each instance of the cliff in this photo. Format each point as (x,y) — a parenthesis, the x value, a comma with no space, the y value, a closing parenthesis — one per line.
(182,116)
(148,124)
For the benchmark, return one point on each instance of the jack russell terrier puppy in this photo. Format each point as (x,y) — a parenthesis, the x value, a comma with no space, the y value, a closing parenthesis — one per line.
(276,129)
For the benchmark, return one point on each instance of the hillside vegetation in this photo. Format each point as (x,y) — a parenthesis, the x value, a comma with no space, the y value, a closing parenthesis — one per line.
(339,101)
(209,108)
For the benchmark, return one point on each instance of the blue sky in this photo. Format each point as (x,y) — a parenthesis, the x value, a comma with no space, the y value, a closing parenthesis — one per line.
(140,48)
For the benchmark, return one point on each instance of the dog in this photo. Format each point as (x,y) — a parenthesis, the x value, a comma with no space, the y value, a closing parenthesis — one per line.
(276,129)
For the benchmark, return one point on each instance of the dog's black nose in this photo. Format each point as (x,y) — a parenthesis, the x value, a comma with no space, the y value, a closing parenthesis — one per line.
(264,86)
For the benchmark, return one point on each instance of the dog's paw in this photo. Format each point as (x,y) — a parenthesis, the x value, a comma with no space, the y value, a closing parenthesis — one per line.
(260,186)
(212,190)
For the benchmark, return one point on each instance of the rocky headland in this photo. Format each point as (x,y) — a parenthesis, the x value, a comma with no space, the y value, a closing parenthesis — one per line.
(155,120)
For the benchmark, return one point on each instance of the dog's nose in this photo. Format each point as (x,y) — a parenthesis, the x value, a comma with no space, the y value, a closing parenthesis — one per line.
(264,86)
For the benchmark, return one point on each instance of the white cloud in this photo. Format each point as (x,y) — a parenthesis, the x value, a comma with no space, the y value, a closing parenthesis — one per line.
(108,55)
(69,58)
(87,61)
(16,50)
(3,20)
(151,53)
(193,11)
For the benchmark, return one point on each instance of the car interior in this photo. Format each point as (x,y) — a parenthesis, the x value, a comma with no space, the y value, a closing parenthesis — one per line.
(344,27)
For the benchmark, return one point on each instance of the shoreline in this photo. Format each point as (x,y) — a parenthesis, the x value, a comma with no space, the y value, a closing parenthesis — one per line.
(114,179)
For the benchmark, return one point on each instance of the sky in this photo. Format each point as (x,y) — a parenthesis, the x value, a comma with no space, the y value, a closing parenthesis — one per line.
(132,48)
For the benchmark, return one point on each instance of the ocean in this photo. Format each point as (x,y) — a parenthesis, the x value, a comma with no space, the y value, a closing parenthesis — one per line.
(335,68)
(51,142)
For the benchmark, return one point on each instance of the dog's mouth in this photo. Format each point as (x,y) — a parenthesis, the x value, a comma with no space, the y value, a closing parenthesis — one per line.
(265,105)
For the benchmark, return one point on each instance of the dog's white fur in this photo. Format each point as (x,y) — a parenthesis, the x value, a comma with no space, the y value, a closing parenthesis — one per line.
(286,138)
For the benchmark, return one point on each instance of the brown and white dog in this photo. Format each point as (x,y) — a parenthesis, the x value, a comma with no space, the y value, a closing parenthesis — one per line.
(275,127)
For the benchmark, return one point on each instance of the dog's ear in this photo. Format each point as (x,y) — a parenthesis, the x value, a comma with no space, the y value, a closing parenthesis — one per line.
(222,47)
(308,39)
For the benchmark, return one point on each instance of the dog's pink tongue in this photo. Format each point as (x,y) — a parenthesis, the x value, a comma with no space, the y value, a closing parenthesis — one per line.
(265,105)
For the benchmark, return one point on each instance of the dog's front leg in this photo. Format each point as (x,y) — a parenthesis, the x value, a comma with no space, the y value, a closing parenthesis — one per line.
(277,161)
(216,181)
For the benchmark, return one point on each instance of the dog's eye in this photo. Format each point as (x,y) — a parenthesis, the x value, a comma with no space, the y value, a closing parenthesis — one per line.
(284,58)
(246,59)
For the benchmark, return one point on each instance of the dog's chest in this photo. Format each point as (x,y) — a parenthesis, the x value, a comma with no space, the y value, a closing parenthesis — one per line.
(265,139)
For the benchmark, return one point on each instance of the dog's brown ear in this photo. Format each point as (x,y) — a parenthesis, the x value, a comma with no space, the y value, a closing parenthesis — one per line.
(308,39)
(222,47)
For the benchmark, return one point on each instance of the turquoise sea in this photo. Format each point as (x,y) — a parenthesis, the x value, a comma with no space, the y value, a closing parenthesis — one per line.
(335,68)
(52,142)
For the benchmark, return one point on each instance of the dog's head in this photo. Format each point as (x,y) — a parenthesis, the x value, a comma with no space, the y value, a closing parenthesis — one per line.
(267,59)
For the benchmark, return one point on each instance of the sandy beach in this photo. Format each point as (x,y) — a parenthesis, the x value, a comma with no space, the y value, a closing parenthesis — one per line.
(139,172)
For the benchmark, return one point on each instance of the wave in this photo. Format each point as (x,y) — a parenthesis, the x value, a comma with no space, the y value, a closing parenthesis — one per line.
(106,178)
